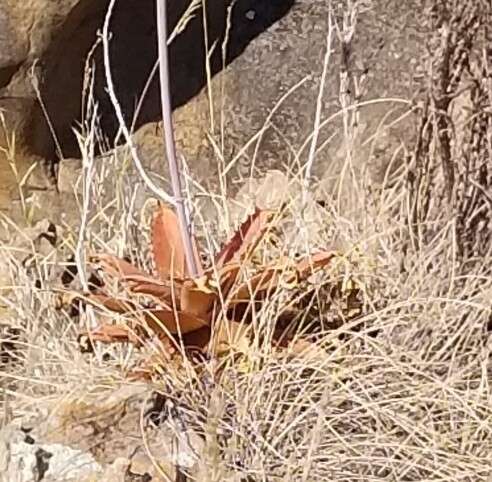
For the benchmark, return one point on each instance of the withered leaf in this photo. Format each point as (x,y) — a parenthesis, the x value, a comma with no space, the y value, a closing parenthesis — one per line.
(160,292)
(266,281)
(108,333)
(197,298)
(197,339)
(223,279)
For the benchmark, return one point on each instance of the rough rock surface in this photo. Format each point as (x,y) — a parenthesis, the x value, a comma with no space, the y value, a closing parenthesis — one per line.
(28,28)
(273,46)
(24,460)
(100,439)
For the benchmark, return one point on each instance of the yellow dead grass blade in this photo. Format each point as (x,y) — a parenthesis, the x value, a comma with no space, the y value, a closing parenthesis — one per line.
(313,263)
(231,336)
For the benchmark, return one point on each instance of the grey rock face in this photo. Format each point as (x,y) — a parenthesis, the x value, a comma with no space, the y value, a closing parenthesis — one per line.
(24,460)
(265,80)
(265,101)
(26,29)
(133,55)
(12,49)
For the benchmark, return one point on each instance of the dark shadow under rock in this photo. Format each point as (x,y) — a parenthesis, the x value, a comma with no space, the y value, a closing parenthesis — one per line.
(133,55)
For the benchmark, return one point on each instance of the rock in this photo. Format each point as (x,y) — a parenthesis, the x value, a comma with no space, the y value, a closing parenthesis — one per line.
(23,245)
(265,100)
(22,459)
(41,238)
(274,60)
(13,47)
(184,450)
(29,28)
(69,172)
(141,465)
(20,172)
(62,207)
(144,468)
(5,277)
(116,472)
(62,62)
(269,192)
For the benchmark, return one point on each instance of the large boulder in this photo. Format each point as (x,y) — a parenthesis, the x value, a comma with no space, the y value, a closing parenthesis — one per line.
(13,49)
(26,30)
(133,54)
(265,77)
(265,102)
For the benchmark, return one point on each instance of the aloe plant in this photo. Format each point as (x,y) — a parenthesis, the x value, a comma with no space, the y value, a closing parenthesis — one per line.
(184,303)
(185,309)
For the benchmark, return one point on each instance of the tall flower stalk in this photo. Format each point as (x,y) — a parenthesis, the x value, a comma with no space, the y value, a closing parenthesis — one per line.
(167,122)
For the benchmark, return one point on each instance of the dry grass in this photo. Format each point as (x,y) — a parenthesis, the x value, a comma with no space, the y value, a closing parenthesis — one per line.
(400,392)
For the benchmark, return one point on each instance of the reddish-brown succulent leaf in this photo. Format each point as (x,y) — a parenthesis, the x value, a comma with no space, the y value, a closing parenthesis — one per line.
(246,238)
(116,267)
(223,279)
(108,333)
(266,281)
(167,245)
(310,264)
(118,305)
(159,292)
(197,298)
(164,321)
(197,339)
(134,280)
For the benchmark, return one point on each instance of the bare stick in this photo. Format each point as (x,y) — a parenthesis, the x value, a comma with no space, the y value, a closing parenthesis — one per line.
(160,193)
(169,137)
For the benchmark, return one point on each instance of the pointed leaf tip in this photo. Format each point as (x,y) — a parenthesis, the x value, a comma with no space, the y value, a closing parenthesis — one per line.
(246,238)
